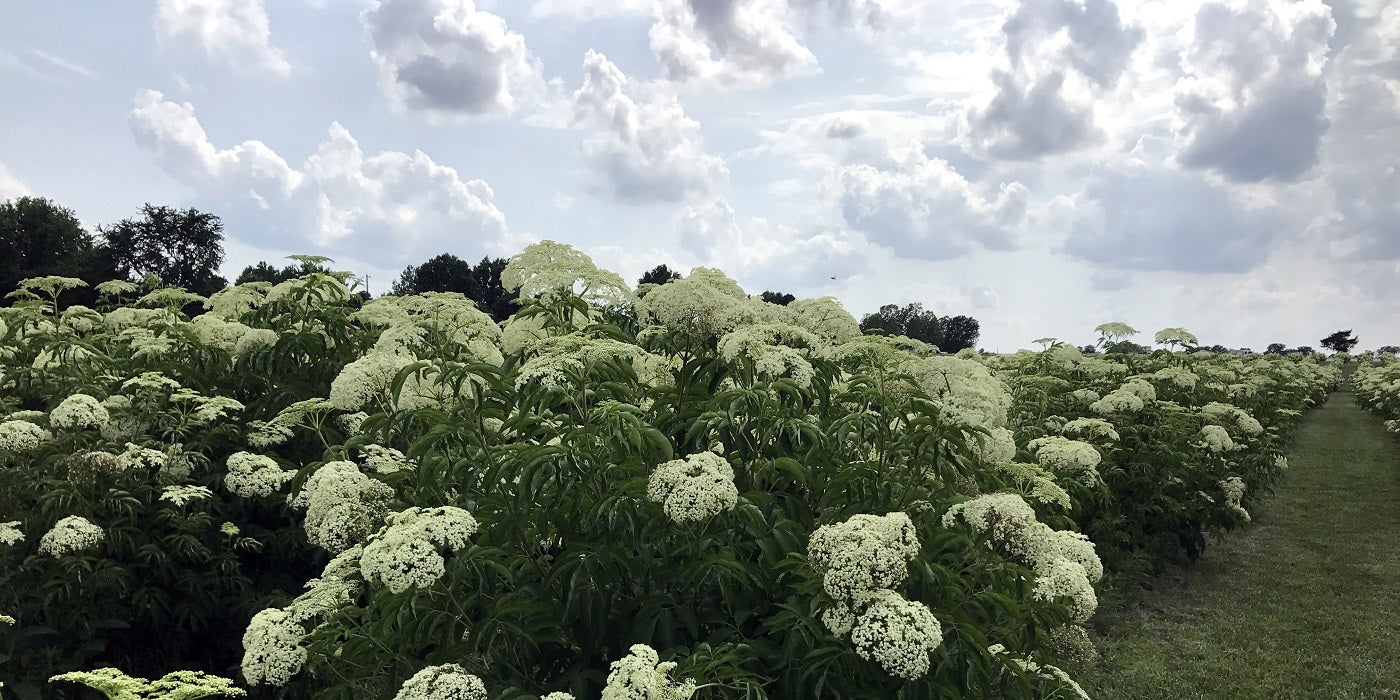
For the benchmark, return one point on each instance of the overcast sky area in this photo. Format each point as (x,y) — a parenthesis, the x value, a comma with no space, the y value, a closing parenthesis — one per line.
(1231,167)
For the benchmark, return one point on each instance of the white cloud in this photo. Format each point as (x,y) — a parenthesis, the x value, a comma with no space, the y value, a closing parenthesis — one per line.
(448,60)
(728,42)
(646,148)
(922,207)
(233,31)
(391,207)
(1250,105)
(10,186)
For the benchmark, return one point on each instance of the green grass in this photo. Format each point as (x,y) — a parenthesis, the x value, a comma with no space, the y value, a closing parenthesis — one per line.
(1305,603)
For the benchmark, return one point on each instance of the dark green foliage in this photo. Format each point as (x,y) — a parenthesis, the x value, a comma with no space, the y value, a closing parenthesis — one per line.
(912,321)
(1341,341)
(659,275)
(779,298)
(39,238)
(959,333)
(448,273)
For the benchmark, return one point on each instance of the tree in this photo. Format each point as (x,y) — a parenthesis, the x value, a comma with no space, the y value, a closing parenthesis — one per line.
(1392,349)
(263,272)
(41,238)
(184,248)
(495,299)
(779,298)
(1275,349)
(659,275)
(1341,341)
(959,332)
(444,273)
(911,321)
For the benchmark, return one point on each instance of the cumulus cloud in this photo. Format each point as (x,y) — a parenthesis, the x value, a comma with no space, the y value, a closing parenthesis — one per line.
(645,148)
(232,31)
(1156,218)
(391,206)
(10,186)
(448,60)
(1060,56)
(780,256)
(922,207)
(1251,103)
(747,42)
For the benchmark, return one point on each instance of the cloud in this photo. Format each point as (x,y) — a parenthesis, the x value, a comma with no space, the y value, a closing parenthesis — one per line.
(45,66)
(646,149)
(1060,56)
(391,207)
(1251,104)
(1156,218)
(449,61)
(10,186)
(783,256)
(923,208)
(232,31)
(743,42)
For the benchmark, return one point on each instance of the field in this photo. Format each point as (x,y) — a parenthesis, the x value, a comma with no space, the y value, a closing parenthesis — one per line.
(669,492)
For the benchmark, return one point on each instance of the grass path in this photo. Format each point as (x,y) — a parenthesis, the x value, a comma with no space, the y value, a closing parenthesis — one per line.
(1303,604)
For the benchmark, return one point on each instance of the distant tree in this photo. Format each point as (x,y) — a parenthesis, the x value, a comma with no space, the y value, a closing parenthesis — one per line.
(1125,347)
(1275,349)
(39,238)
(659,275)
(1341,341)
(1089,349)
(1303,350)
(959,332)
(910,320)
(495,299)
(181,247)
(779,298)
(444,273)
(263,272)
(1217,348)
(1392,349)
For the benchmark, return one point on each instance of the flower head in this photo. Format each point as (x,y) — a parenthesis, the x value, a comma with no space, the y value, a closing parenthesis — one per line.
(77,412)
(640,676)
(898,634)
(695,488)
(863,554)
(70,535)
(445,682)
(404,554)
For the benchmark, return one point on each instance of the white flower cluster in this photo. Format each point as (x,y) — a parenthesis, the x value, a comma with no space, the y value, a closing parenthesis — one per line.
(1090,428)
(232,337)
(250,475)
(1036,483)
(272,648)
(138,458)
(1178,376)
(404,554)
(774,350)
(1141,388)
(1234,488)
(445,682)
(1117,401)
(695,488)
(641,676)
(351,422)
(1046,671)
(997,448)
(384,460)
(21,436)
(180,495)
(10,533)
(863,554)
(1065,563)
(1068,457)
(1216,439)
(561,358)
(964,388)
(343,505)
(279,429)
(1224,413)
(1085,396)
(548,270)
(212,408)
(366,381)
(70,535)
(77,412)
(897,633)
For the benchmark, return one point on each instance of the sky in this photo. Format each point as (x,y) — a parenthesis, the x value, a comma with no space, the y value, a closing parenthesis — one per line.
(1231,167)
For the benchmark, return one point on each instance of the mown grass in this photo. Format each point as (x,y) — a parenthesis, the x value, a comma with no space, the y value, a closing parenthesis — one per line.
(1303,604)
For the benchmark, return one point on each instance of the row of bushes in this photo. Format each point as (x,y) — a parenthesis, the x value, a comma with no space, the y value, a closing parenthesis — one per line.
(655,493)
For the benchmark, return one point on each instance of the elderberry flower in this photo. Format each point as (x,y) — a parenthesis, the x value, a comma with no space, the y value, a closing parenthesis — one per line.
(1065,579)
(1117,401)
(404,554)
(70,535)
(898,634)
(210,409)
(77,412)
(1216,439)
(445,682)
(343,505)
(1002,517)
(862,554)
(639,676)
(351,422)
(136,457)
(272,648)
(999,447)
(20,436)
(366,381)
(1234,489)
(1069,457)
(180,495)
(1090,427)
(1085,396)
(10,533)
(1036,483)
(384,460)
(695,488)
(251,475)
